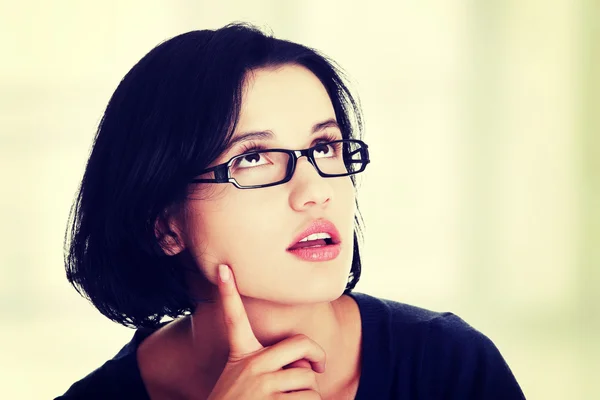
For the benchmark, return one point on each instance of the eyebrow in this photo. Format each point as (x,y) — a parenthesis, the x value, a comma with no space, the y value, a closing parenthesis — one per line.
(269,135)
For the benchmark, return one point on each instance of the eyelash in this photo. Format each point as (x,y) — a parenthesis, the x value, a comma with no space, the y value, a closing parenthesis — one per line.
(254,146)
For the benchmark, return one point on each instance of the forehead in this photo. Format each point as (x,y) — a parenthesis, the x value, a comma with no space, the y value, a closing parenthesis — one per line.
(281,98)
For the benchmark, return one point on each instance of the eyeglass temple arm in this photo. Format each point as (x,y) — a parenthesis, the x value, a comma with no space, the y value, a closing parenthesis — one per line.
(221,175)
(364,152)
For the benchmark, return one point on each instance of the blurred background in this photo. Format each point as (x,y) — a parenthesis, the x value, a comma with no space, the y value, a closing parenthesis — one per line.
(483,196)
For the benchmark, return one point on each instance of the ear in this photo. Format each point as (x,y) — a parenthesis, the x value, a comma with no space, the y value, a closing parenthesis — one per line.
(168,233)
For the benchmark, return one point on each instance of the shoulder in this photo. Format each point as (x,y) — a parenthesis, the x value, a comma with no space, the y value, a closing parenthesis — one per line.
(117,378)
(436,354)
(461,360)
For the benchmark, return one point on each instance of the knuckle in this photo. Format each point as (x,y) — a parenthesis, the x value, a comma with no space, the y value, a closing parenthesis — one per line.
(308,343)
(299,337)
(312,343)
(303,339)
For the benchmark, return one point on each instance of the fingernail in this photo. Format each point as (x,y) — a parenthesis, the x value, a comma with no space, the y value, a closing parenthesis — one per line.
(224,273)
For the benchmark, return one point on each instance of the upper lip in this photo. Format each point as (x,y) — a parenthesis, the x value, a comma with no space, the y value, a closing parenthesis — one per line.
(318,226)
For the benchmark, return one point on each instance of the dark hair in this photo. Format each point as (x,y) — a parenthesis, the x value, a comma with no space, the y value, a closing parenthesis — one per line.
(170,117)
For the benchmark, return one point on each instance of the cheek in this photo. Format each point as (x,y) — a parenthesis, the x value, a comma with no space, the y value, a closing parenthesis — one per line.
(248,244)
(343,211)
(228,230)
(345,197)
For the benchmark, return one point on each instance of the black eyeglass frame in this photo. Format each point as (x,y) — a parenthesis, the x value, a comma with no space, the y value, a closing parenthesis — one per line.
(222,170)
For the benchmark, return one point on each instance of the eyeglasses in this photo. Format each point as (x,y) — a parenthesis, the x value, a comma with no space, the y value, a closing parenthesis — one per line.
(264,168)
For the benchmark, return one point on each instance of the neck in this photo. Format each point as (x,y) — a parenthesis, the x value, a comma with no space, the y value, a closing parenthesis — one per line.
(271,323)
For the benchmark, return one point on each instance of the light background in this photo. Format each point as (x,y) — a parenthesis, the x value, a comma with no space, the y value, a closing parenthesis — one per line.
(482,197)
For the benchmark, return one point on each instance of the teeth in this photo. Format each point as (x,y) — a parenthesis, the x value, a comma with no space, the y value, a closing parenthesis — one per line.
(316,236)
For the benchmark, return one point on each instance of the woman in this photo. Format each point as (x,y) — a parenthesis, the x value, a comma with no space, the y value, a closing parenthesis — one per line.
(220,192)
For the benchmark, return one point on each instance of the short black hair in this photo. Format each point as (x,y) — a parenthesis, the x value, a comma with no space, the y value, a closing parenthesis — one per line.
(169,118)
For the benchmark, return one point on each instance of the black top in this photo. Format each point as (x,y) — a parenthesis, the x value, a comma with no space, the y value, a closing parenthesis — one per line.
(407,353)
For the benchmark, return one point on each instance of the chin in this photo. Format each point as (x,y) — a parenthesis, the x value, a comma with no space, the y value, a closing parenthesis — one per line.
(311,294)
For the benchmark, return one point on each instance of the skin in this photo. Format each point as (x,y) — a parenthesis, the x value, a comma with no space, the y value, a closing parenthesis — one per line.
(249,230)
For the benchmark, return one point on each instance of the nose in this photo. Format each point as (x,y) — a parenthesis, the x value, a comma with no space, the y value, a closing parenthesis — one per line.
(309,189)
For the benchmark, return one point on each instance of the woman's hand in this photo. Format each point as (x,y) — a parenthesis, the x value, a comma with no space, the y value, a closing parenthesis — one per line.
(256,372)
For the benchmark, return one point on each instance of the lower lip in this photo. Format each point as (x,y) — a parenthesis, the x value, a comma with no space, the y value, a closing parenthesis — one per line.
(323,253)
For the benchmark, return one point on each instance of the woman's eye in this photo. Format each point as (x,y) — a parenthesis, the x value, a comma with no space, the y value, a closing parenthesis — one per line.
(324,150)
(250,160)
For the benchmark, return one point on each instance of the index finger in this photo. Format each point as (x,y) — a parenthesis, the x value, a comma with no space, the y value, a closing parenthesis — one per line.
(242,341)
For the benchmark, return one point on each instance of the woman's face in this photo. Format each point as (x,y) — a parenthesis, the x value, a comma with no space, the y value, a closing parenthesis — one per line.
(251,229)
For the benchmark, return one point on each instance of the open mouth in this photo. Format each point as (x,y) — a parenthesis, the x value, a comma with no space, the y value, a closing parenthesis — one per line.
(321,236)
(314,243)
(319,242)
